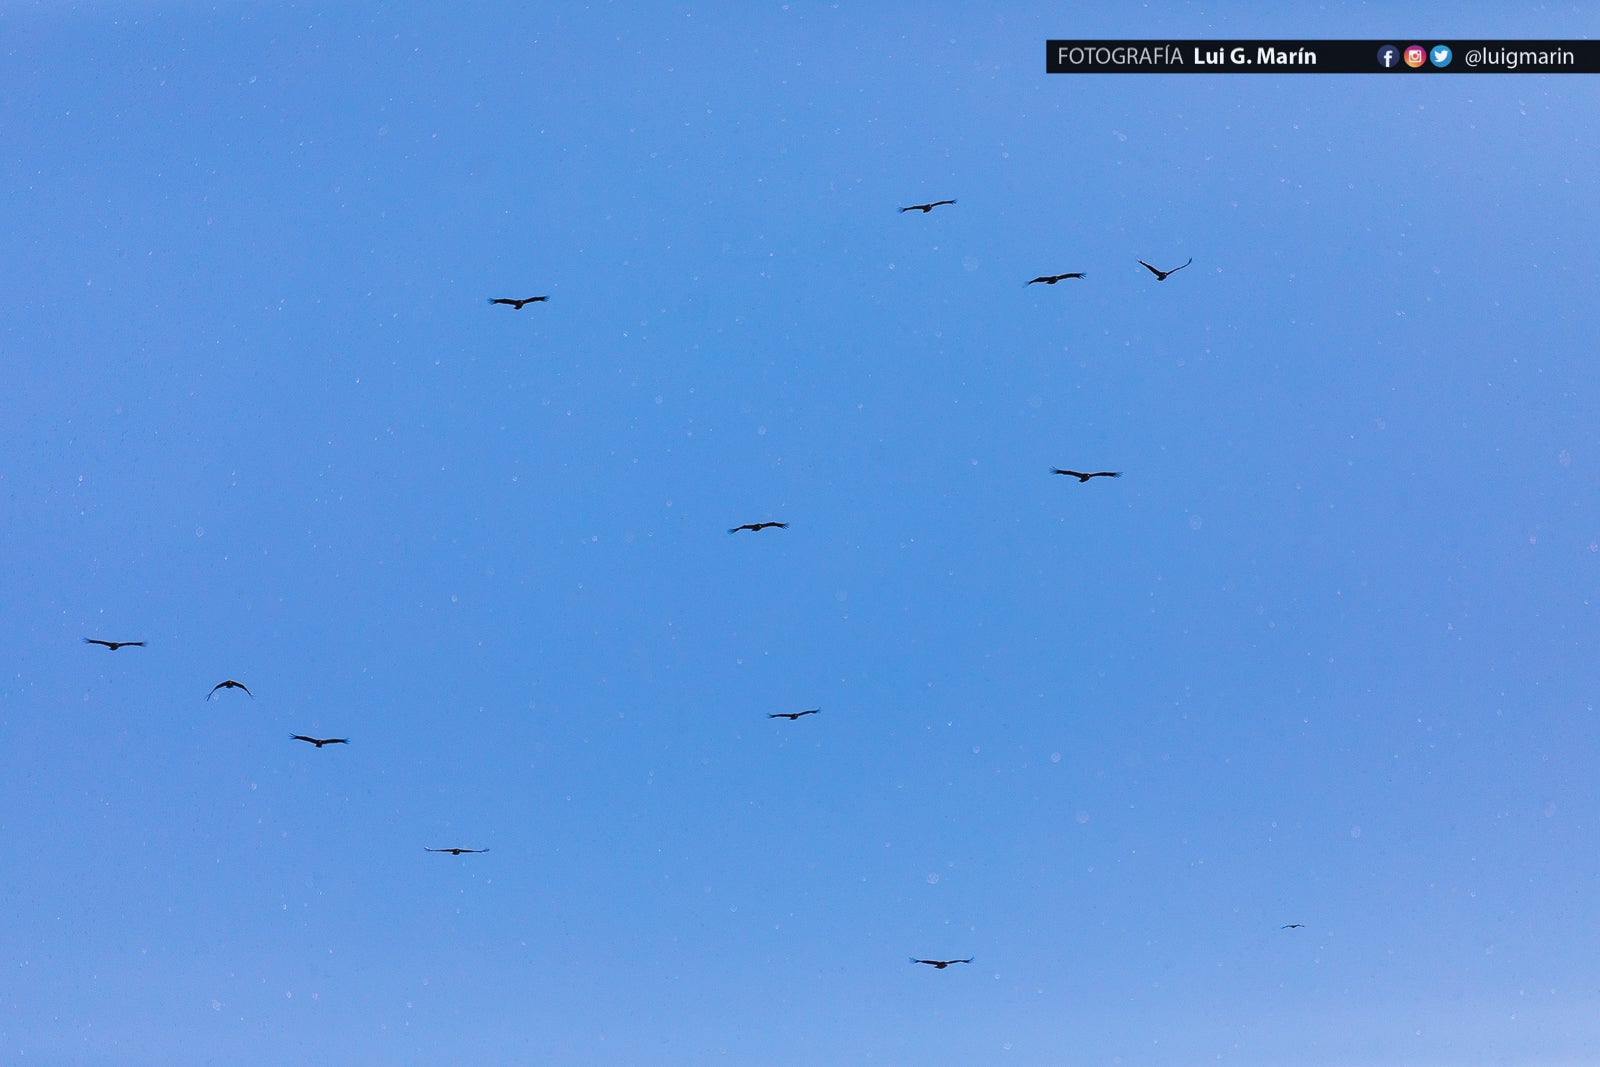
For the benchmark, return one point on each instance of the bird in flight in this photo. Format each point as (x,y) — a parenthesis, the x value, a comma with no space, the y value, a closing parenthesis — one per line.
(1292,926)
(320,741)
(1051,279)
(941,964)
(793,715)
(515,303)
(230,684)
(455,851)
(113,645)
(760,526)
(925,208)
(1084,476)
(1161,275)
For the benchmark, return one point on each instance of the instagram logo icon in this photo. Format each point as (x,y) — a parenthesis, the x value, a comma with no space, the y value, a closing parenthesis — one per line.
(1416,56)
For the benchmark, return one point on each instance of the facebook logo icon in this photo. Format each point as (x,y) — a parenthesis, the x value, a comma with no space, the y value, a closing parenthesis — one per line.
(1388,56)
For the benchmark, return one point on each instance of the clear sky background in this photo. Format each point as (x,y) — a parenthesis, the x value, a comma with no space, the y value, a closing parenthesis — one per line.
(1324,655)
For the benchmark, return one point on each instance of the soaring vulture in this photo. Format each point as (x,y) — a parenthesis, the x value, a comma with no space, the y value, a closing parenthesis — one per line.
(760,526)
(793,715)
(1051,279)
(1161,275)
(113,645)
(515,303)
(925,208)
(1084,476)
(941,964)
(230,684)
(320,741)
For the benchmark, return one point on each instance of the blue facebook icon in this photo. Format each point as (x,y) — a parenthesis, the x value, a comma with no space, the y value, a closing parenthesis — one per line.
(1388,56)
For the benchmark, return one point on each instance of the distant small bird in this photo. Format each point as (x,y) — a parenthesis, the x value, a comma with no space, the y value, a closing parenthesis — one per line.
(518,304)
(320,741)
(1293,926)
(925,208)
(113,645)
(1051,279)
(230,684)
(793,715)
(760,526)
(1161,275)
(941,964)
(455,851)
(1085,476)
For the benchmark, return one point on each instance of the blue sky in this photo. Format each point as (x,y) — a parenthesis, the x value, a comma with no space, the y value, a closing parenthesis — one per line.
(1322,655)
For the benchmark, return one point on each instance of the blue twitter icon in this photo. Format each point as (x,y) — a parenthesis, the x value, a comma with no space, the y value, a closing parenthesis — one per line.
(1440,55)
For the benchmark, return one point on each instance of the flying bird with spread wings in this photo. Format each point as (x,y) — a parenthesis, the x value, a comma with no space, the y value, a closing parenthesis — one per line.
(320,741)
(456,851)
(230,684)
(1051,279)
(518,305)
(793,715)
(941,964)
(1292,926)
(113,645)
(1161,275)
(925,208)
(1084,476)
(761,526)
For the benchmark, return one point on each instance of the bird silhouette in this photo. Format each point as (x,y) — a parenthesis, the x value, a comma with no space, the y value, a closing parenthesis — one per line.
(230,684)
(925,208)
(793,715)
(113,645)
(320,741)
(515,303)
(455,851)
(1084,476)
(1161,275)
(760,526)
(1051,279)
(1292,926)
(941,964)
